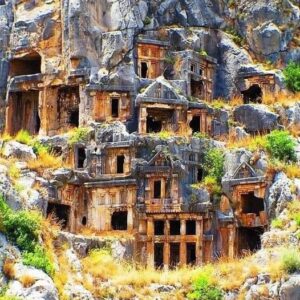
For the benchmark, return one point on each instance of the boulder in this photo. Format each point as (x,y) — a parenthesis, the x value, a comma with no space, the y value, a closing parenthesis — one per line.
(9,193)
(290,290)
(267,38)
(293,114)
(18,150)
(256,118)
(280,194)
(240,133)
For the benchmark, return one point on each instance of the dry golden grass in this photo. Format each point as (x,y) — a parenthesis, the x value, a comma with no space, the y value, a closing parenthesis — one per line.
(292,170)
(284,98)
(88,231)
(294,130)
(27,280)
(9,268)
(45,160)
(61,277)
(236,101)
(50,230)
(250,142)
(228,274)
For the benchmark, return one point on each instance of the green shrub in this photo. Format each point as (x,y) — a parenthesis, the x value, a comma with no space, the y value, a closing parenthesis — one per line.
(296,218)
(204,290)
(235,36)
(281,145)
(38,259)
(13,172)
(163,135)
(23,137)
(231,4)
(147,21)
(169,59)
(203,52)
(213,165)
(78,135)
(292,76)
(291,261)
(23,228)
(200,135)
(277,223)
(39,148)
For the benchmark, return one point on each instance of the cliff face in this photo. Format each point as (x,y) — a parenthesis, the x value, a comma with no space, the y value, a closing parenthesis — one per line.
(162,133)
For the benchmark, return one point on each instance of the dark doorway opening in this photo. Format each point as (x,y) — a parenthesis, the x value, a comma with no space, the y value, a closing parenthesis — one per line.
(68,106)
(249,239)
(144,69)
(81,157)
(26,65)
(115,107)
(158,255)
(74,118)
(175,227)
(84,221)
(157,189)
(196,88)
(159,227)
(120,164)
(190,227)
(195,124)
(153,126)
(61,212)
(253,94)
(199,174)
(56,150)
(119,220)
(252,204)
(174,254)
(190,253)
(24,112)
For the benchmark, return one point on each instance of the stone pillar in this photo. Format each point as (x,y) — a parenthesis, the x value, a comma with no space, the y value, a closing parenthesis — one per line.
(143,120)
(107,108)
(203,124)
(129,218)
(231,238)
(150,243)
(182,243)
(166,255)
(199,242)
(126,164)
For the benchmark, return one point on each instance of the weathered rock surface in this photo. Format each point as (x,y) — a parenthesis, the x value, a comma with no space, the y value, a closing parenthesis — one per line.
(18,150)
(280,195)
(256,118)
(42,288)
(290,290)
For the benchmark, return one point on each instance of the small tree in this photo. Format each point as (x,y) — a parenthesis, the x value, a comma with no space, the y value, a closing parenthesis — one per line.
(214,164)
(281,145)
(292,76)
(204,290)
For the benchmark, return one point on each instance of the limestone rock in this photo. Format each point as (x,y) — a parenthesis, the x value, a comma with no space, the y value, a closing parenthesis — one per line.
(280,194)
(256,118)
(9,193)
(267,39)
(18,150)
(240,133)
(290,290)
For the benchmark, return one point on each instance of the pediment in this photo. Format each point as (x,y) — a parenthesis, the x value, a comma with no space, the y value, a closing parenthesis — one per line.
(244,170)
(159,159)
